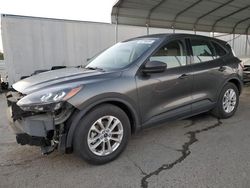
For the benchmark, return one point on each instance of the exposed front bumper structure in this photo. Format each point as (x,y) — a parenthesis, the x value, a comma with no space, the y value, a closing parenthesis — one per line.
(32,128)
(25,139)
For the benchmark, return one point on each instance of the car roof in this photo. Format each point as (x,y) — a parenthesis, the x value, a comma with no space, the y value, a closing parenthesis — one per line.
(173,35)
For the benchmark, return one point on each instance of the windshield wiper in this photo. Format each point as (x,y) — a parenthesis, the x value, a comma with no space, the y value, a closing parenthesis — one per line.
(95,68)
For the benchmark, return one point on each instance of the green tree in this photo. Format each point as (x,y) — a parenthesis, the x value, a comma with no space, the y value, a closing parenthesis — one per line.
(1,56)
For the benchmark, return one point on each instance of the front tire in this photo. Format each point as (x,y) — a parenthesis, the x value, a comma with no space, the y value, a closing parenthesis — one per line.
(228,101)
(102,134)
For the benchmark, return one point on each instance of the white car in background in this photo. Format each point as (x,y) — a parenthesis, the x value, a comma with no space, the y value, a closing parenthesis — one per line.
(246,74)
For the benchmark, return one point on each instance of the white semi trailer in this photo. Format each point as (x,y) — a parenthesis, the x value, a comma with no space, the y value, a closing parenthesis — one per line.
(32,43)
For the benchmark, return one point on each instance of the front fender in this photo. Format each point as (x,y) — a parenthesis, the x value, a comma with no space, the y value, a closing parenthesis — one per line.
(95,101)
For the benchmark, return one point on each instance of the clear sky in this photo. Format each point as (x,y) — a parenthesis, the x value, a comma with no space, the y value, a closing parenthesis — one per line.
(85,10)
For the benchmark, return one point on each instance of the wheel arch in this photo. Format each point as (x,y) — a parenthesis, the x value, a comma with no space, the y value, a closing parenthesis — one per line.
(131,112)
(237,83)
(234,79)
(217,110)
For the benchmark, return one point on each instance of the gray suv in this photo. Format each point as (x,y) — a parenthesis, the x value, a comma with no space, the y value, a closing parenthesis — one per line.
(134,84)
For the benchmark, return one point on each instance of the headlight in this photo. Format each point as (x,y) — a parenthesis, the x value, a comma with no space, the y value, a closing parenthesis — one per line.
(47,100)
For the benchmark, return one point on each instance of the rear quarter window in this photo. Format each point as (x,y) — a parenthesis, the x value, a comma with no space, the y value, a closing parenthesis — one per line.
(219,51)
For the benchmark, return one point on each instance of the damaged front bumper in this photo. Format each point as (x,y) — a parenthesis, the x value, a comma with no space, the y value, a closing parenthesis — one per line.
(44,129)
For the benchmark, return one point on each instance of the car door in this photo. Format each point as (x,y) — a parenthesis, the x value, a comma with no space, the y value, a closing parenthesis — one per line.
(166,95)
(208,73)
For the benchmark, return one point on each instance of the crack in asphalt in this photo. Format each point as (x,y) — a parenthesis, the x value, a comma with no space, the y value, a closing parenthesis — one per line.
(185,152)
(167,147)
(137,166)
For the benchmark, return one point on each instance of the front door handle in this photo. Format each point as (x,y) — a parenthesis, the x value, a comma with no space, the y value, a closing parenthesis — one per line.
(183,76)
(222,68)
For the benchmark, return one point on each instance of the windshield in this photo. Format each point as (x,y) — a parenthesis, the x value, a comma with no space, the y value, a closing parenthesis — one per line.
(121,54)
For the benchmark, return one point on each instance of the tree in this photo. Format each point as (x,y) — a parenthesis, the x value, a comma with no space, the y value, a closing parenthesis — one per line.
(1,56)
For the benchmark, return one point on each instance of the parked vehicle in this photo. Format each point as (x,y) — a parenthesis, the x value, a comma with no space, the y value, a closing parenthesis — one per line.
(246,74)
(137,83)
(4,83)
(3,76)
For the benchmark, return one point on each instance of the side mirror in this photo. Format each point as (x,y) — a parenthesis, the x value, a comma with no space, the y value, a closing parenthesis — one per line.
(154,67)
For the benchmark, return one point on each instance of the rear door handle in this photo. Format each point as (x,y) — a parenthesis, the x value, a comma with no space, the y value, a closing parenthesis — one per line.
(183,76)
(222,68)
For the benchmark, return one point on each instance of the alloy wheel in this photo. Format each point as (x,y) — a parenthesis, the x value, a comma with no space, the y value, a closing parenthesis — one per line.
(229,101)
(105,135)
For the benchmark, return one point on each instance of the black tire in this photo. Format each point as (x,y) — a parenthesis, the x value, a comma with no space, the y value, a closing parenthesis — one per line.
(80,144)
(219,111)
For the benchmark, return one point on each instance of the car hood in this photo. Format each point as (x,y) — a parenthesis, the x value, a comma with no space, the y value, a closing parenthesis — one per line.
(62,77)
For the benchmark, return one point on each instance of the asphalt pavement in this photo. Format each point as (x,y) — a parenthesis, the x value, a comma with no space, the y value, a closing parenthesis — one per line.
(201,151)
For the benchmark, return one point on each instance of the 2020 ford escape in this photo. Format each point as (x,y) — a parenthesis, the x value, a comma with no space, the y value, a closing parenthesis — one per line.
(140,82)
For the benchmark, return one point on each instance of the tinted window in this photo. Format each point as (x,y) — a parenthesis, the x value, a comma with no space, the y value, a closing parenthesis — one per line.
(202,51)
(219,51)
(173,54)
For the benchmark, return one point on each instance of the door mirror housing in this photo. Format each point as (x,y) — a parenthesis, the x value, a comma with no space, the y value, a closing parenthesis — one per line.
(154,67)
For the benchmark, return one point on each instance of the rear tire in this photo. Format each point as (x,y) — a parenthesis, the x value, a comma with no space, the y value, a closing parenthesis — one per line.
(228,102)
(102,134)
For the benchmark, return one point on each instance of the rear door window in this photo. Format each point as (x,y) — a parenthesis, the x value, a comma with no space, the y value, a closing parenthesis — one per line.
(202,51)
